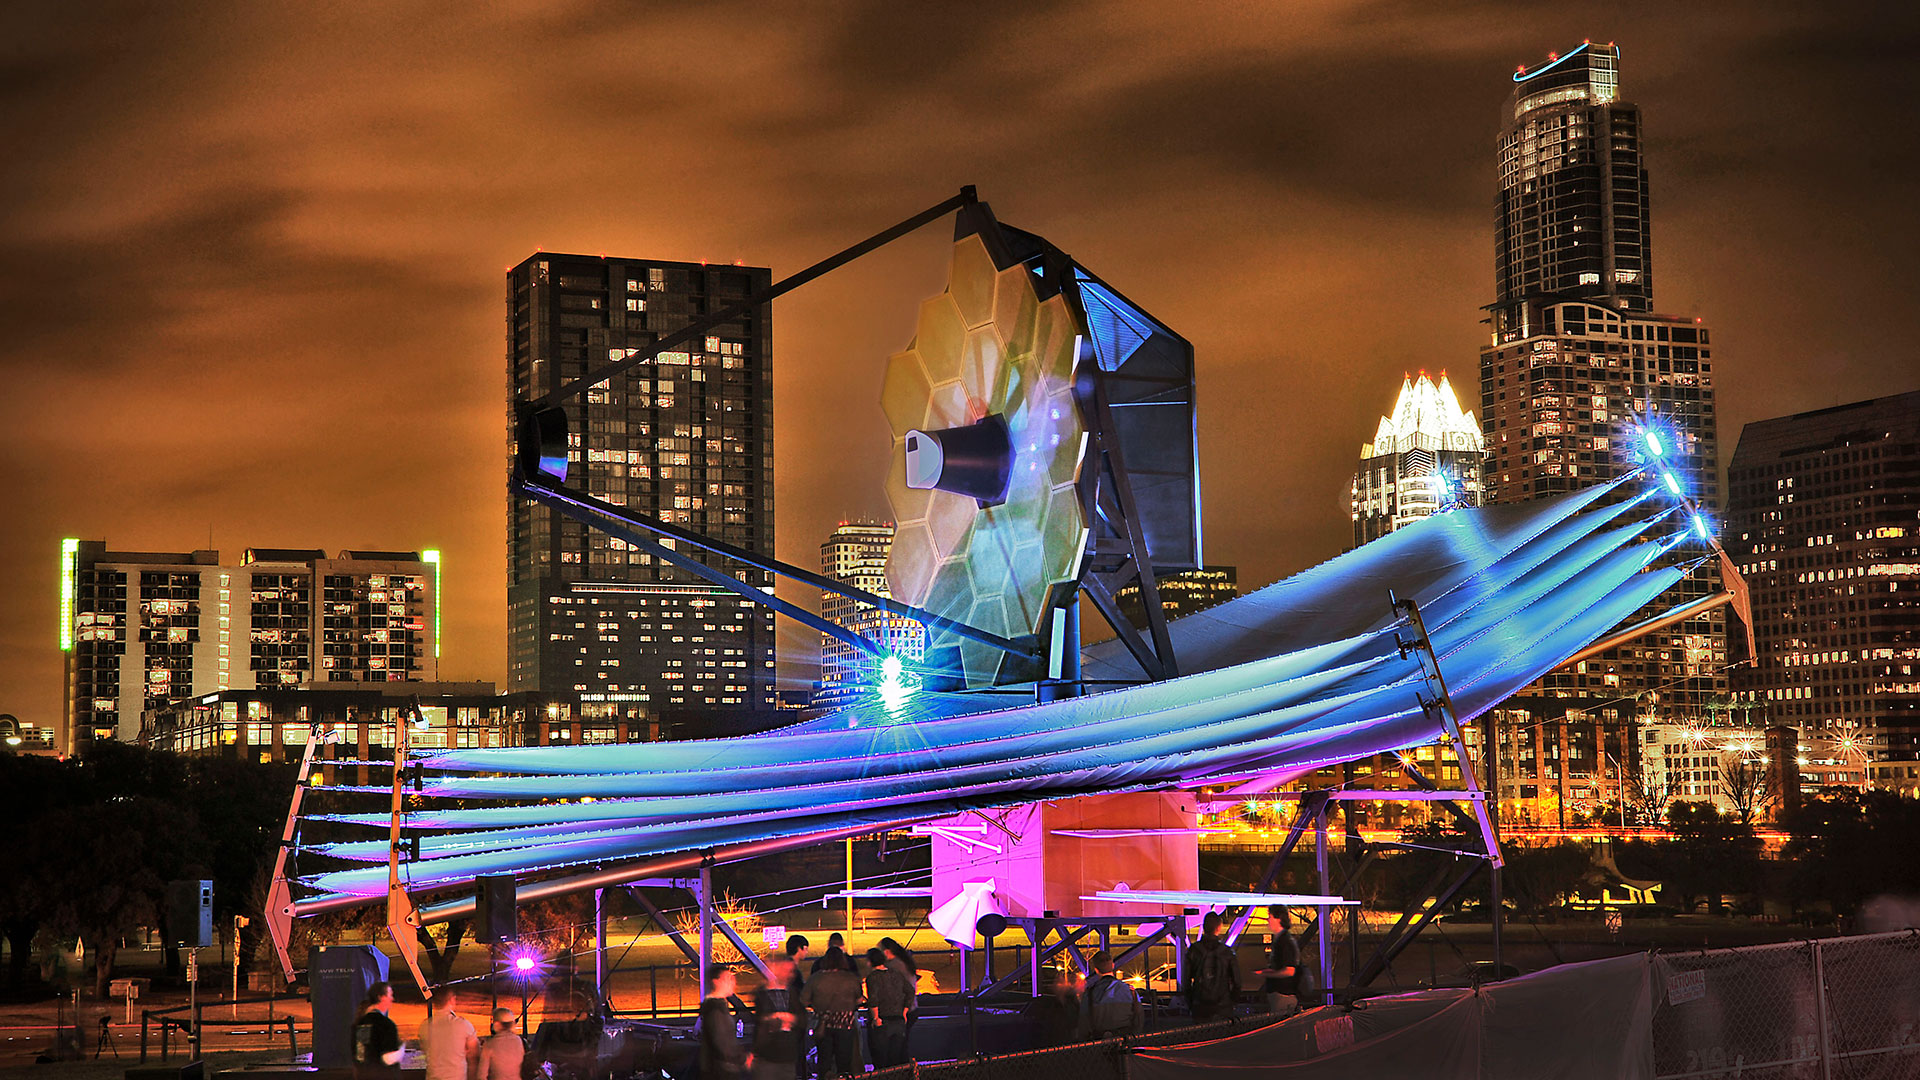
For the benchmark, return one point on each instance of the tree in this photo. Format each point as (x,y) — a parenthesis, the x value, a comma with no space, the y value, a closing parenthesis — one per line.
(1747,784)
(441,951)
(30,787)
(1649,793)
(1849,846)
(1539,878)
(1711,855)
(102,870)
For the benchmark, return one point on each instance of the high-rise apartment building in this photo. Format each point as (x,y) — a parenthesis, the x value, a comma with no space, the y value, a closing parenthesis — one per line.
(1573,216)
(1577,361)
(1823,520)
(856,553)
(143,630)
(1424,458)
(687,438)
(1180,594)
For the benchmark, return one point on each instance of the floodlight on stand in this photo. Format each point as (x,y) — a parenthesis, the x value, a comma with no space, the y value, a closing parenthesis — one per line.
(975,460)
(524,961)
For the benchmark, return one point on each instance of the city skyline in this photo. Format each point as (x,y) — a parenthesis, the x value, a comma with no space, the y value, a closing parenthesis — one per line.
(375,308)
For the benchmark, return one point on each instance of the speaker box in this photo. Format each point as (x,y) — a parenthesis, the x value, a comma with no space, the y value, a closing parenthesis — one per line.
(495,919)
(190,913)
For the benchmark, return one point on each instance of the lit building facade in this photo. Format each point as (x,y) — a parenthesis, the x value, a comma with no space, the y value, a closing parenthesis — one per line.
(1577,360)
(1424,458)
(856,553)
(686,438)
(1560,758)
(143,630)
(1181,594)
(1823,520)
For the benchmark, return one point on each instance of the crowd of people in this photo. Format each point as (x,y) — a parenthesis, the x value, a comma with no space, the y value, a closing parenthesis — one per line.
(822,1008)
(452,1048)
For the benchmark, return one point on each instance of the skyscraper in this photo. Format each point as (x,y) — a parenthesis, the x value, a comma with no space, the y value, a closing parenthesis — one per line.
(143,630)
(1577,361)
(1181,594)
(1573,219)
(1823,520)
(687,438)
(856,553)
(1425,457)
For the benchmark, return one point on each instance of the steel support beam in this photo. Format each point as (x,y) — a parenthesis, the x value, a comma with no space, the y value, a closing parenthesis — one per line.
(1404,931)
(698,329)
(601,514)
(1312,804)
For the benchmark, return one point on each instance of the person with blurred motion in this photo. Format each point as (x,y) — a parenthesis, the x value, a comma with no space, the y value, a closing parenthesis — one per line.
(376,1040)
(1283,966)
(502,1054)
(1059,1011)
(900,959)
(447,1039)
(774,1017)
(888,996)
(797,946)
(722,1056)
(834,993)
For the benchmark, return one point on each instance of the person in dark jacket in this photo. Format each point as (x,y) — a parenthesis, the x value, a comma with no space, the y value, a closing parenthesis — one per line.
(722,1056)
(835,940)
(900,959)
(834,994)
(889,995)
(797,945)
(1113,1007)
(774,1049)
(376,1039)
(1212,975)
(1281,985)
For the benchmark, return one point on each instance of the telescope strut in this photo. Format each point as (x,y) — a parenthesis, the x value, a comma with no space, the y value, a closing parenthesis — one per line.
(604,515)
(697,329)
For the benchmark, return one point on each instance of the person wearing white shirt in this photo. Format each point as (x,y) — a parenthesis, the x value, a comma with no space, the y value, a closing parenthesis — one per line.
(447,1040)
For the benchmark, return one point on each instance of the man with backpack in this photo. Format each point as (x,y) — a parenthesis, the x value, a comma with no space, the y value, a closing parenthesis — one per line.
(1212,975)
(1113,1007)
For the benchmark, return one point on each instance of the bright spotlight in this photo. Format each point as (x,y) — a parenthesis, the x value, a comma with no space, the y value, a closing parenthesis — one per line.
(1653,444)
(895,686)
(1673,483)
(523,962)
(1700,527)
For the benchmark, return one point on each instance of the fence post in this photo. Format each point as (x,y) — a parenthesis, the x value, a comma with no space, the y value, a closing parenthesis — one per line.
(143,1035)
(1820,1013)
(293,1044)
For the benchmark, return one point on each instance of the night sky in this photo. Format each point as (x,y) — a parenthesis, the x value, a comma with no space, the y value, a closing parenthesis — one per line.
(253,254)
